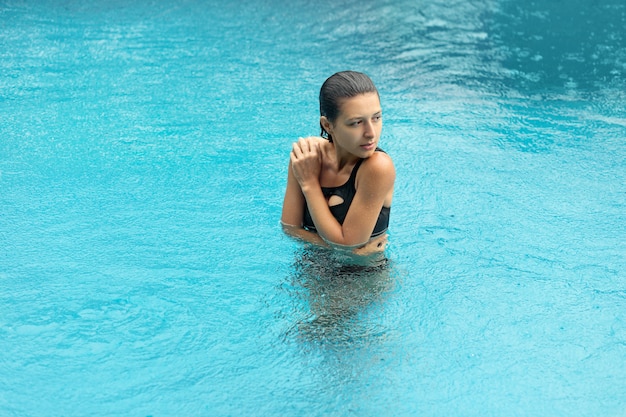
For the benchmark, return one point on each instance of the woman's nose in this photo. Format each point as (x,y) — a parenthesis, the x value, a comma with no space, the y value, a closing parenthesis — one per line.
(369,129)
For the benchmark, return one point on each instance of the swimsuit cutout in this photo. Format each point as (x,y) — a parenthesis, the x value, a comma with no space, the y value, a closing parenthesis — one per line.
(346,192)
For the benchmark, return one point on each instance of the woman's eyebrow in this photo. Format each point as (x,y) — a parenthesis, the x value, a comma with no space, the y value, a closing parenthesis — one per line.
(364,117)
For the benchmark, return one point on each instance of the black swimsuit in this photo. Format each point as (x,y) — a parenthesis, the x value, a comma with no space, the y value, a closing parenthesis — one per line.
(346,192)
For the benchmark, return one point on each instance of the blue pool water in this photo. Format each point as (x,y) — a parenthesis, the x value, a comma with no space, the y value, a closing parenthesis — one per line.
(143,152)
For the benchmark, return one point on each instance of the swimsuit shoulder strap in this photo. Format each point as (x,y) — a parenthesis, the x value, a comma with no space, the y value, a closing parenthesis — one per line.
(355,169)
(358,164)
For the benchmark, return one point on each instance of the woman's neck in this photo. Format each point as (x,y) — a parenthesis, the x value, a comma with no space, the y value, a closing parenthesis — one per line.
(344,158)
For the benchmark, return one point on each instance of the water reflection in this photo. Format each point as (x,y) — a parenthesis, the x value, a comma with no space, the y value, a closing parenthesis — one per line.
(336,297)
(495,47)
(546,45)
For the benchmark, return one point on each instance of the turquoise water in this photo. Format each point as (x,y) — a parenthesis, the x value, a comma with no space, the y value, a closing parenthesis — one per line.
(143,152)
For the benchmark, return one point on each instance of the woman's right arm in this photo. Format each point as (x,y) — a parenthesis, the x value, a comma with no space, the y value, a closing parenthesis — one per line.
(293,212)
(293,203)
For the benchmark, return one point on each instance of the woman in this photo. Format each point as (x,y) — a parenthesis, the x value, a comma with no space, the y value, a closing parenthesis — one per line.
(340,185)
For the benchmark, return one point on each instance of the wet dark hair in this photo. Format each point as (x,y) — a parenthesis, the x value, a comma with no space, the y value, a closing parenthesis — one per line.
(339,86)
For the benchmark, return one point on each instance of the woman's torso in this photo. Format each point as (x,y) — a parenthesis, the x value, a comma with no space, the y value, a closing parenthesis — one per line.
(340,198)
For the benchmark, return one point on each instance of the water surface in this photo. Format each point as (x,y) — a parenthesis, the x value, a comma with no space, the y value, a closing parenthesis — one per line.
(142,165)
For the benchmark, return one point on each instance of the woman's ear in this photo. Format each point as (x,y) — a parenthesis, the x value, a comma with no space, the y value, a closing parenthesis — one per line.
(325,123)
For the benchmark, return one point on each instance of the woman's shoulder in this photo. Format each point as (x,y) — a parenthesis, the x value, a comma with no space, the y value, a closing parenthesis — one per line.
(379,163)
(377,171)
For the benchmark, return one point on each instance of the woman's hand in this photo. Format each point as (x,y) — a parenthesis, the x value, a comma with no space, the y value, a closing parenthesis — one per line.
(306,161)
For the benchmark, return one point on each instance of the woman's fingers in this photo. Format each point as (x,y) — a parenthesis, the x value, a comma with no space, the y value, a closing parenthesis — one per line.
(304,147)
(296,150)
(306,160)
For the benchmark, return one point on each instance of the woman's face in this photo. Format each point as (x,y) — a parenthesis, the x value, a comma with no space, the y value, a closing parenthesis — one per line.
(358,126)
